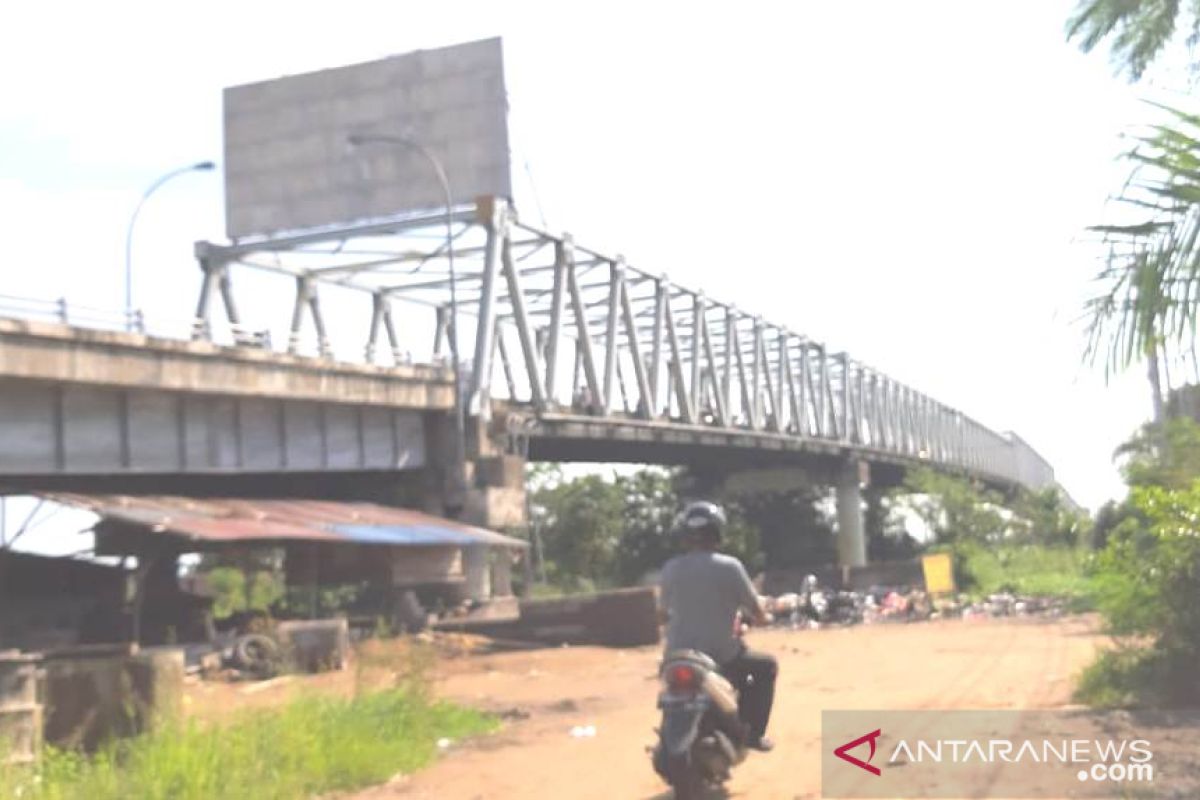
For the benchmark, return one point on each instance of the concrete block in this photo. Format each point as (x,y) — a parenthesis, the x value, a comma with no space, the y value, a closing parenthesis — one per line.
(504,471)
(18,680)
(20,709)
(315,645)
(620,618)
(20,734)
(483,438)
(495,507)
(478,571)
(90,700)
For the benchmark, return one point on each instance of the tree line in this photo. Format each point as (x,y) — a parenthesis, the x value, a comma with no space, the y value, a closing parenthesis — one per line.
(598,531)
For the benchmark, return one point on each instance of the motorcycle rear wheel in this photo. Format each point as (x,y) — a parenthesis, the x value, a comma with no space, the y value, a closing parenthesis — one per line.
(689,788)
(685,783)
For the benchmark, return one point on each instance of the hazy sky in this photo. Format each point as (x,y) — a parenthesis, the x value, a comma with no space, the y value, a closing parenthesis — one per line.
(907,181)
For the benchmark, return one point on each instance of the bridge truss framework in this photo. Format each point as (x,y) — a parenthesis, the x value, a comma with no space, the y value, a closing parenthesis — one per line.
(562,330)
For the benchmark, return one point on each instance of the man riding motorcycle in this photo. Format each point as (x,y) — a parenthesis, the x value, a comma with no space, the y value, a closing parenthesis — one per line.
(701,593)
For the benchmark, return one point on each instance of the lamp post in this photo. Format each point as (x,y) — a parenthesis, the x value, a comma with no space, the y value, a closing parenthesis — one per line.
(357,140)
(201,166)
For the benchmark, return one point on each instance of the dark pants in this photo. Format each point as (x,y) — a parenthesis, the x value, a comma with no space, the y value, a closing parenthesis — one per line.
(753,674)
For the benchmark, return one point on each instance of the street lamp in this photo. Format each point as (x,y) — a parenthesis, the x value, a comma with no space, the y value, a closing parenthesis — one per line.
(357,140)
(201,166)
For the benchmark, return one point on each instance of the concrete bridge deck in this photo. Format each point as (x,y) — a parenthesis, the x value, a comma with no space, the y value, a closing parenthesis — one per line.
(75,401)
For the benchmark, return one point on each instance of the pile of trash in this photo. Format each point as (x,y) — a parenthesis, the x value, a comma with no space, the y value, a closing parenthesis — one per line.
(897,604)
(814,607)
(250,656)
(1007,604)
(263,649)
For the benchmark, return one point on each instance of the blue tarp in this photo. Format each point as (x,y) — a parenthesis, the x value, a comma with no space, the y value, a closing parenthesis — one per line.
(405,534)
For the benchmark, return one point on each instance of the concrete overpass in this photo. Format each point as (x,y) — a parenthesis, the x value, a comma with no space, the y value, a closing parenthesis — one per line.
(83,402)
(575,356)
(93,410)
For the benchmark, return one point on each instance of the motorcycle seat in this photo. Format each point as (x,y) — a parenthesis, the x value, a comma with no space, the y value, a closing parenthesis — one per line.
(694,656)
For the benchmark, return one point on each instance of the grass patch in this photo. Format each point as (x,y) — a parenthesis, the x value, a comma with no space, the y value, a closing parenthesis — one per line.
(1116,679)
(312,746)
(1028,570)
(1141,677)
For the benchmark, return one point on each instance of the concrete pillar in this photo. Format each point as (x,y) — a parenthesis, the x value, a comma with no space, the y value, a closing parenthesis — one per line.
(477,567)
(497,498)
(92,700)
(851,541)
(875,518)
(502,572)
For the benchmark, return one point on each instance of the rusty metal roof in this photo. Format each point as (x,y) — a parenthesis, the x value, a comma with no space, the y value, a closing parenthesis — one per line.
(265,521)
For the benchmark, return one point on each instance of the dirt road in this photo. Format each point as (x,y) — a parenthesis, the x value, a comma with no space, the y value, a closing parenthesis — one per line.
(987,664)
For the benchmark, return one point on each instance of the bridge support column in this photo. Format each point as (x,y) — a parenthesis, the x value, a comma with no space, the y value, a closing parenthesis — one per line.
(874,519)
(490,492)
(496,498)
(494,479)
(851,539)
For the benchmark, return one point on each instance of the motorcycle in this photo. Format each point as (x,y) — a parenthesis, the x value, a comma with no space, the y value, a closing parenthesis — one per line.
(811,606)
(846,608)
(701,737)
(814,607)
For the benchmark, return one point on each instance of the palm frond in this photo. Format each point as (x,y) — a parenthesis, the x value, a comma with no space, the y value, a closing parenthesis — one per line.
(1136,29)
(1149,298)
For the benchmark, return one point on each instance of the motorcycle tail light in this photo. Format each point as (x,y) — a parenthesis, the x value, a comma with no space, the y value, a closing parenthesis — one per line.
(682,678)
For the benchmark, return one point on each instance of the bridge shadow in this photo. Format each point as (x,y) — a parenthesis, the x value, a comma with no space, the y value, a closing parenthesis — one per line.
(720,793)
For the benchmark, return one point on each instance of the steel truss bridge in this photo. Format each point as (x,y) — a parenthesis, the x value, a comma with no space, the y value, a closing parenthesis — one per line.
(580,343)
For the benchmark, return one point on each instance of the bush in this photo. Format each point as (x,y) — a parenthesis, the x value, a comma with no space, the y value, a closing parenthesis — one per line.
(1138,676)
(1146,581)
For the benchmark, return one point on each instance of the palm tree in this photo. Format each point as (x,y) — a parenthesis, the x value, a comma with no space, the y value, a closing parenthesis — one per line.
(1138,29)
(1148,305)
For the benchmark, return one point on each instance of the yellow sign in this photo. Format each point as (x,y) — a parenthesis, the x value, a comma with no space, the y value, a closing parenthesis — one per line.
(939,573)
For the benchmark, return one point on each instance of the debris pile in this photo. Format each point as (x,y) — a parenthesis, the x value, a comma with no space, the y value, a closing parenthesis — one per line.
(1007,604)
(815,608)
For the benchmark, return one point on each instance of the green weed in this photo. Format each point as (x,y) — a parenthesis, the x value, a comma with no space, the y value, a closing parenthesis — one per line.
(312,746)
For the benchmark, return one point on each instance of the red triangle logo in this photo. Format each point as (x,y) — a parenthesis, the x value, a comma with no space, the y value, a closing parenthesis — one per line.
(844,755)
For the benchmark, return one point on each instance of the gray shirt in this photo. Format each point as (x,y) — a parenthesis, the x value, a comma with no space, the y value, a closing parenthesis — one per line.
(701,592)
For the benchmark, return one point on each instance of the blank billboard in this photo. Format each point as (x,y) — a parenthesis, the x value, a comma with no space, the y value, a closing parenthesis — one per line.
(289,165)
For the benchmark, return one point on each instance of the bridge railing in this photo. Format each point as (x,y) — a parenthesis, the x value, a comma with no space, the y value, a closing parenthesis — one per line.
(67,312)
(64,311)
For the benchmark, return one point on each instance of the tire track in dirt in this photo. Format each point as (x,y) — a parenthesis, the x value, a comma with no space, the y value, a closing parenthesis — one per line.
(922,666)
(981,665)
(1053,657)
(880,645)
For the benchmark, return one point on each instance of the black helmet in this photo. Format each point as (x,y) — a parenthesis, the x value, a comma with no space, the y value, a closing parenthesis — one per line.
(700,518)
